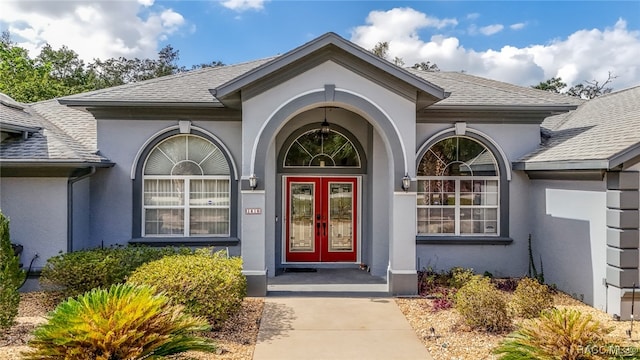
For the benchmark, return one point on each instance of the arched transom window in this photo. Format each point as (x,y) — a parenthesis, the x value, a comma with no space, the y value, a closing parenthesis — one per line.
(458,189)
(315,149)
(186,189)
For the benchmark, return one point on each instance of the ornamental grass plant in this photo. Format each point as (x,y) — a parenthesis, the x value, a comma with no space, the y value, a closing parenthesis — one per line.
(564,334)
(122,322)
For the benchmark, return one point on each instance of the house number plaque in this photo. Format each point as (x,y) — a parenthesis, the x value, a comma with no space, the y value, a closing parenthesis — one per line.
(253,211)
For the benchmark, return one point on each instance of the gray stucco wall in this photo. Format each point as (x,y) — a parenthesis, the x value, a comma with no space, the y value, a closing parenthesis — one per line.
(515,140)
(37,209)
(380,207)
(81,237)
(568,222)
(111,189)
(260,110)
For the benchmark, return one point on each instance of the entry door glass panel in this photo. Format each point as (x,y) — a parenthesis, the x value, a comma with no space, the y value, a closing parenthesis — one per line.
(302,213)
(321,219)
(341,217)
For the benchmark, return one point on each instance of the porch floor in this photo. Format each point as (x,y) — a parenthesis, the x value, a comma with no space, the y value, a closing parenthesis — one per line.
(339,281)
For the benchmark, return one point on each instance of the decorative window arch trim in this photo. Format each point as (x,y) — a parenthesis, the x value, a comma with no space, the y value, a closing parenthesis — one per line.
(173,128)
(330,96)
(504,169)
(481,136)
(362,169)
(137,203)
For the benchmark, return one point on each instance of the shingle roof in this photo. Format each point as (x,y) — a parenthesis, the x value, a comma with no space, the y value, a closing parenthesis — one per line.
(468,90)
(601,133)
(187,87)
(193,87)
(62,135)
(13,113)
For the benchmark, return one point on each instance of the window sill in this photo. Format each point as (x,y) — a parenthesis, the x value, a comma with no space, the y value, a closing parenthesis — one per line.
(186,241)
(463,240)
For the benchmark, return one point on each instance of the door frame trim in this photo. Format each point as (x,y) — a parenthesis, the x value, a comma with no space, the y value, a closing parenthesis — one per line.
(284,212)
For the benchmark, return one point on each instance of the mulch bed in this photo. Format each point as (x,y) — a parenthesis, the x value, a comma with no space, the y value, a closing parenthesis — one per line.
(235,340)
(442,332)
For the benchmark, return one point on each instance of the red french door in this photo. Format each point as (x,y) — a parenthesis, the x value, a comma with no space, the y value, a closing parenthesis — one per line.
(321,220)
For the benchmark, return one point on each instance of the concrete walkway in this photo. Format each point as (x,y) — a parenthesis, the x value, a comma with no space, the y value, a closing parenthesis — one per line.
(326,328)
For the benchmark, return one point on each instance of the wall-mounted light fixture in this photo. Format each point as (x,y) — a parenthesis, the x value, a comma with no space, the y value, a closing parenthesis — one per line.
(324,127)
(406,182)
(253,181)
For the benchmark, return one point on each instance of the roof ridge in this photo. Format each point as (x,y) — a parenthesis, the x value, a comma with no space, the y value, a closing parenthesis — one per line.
(70,142)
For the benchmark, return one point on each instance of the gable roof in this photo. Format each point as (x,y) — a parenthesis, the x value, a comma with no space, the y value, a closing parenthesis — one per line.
(211,87)
(194,89)
(601,134)
(51,134)
(330,46)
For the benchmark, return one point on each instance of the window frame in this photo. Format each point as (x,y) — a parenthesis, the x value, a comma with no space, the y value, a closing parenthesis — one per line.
(186,207)
(138,207)
(333,170)
(501,236)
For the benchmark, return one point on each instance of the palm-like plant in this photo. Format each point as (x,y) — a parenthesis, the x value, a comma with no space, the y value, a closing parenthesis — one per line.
(122,322)
(557,334)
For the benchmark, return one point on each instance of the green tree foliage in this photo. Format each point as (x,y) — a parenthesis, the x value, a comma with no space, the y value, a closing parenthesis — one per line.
(11,277)
(381,49)
(592,89)
(25,79)
(66,68)
(122,322)
(120,71)
(55,73)
(426,66)
(554,85)
(586,90)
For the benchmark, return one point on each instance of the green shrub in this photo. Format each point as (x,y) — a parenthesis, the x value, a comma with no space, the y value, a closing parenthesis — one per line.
(459,276)
(123,322)
(430,281)
(77,272)
(556,334)
(531,298)
(208,285)
(11,277)
(482,305)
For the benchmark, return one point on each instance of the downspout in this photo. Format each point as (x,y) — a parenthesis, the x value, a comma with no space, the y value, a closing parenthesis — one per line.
(76,176)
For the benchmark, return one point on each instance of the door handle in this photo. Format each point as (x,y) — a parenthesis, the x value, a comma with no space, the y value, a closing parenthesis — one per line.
(318,229)
(324,226)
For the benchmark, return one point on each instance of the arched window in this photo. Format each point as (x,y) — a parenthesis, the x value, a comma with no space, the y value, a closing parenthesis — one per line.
(458,189)
(186,189)
(315,149)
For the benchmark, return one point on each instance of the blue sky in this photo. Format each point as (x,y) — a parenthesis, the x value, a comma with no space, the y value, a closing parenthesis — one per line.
(521,42)
(283,25)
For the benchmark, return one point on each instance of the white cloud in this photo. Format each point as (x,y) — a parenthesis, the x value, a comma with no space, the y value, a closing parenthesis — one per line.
(584,55)
(473,16)
(242,5)
(93,29)
(397,26)
(517,26)
(491,29)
